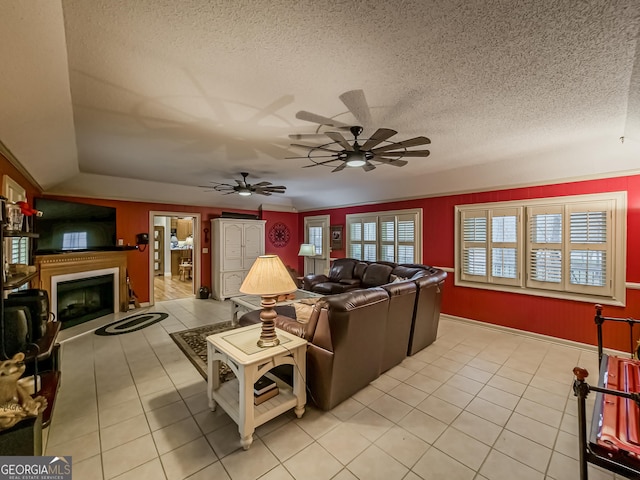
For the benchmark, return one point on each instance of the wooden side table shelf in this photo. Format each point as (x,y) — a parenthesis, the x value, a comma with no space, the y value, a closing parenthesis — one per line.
(239,350)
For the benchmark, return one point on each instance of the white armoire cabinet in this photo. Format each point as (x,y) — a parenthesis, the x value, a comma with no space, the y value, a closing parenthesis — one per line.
(236,245)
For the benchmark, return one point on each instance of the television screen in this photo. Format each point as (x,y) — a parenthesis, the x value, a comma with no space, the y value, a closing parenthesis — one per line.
(71,226)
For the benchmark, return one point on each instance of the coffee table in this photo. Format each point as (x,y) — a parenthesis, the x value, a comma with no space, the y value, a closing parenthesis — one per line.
(239,350)
(248,303)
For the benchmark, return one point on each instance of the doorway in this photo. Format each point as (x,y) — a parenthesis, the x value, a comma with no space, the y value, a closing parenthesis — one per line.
(316,232)
(174,260)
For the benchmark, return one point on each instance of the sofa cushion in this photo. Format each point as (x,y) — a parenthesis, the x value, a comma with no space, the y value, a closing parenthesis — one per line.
(332,288)
(376,274)
(359,269)
(342,268)
(408,272)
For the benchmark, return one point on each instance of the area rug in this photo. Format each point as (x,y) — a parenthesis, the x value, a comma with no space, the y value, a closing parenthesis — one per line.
(193,343)
(131,323)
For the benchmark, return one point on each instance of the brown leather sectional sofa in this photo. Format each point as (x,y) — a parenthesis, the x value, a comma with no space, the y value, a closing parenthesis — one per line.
(357,335)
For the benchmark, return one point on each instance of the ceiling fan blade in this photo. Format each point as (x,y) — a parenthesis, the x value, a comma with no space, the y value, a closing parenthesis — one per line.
(215,184)
(315,156)
(320,163)
(337,137)
(356,102)
(315,147)
(314,118)
(274,188)
(412,142)
(339,167)
(408,153)
(390,161)
(262,184)
(379,136)
(367,167)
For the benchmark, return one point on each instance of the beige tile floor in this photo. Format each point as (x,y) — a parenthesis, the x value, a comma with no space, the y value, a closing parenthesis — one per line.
(479,403)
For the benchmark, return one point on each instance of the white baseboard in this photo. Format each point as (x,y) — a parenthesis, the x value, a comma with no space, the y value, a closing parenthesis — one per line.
(538,336)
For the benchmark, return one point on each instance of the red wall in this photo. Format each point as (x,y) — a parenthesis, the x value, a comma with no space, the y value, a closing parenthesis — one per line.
(559,318)
(288,253)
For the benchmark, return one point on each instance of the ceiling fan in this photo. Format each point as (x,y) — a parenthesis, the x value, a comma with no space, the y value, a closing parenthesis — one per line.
(366,155)
(245,189)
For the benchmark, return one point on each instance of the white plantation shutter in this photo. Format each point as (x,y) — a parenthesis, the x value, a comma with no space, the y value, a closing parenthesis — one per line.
(544,258)
(354,241)
(406,239)
(387,236)
(474,245)
(490,246)
(589,270)
(369,247)
(355,237)
(505,246)
(569,247)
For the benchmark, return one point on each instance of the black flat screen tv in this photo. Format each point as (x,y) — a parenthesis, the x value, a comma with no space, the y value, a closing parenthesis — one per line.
(72,227)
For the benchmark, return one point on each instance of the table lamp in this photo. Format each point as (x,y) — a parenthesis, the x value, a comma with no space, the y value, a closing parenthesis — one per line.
(269,278)
(307,250)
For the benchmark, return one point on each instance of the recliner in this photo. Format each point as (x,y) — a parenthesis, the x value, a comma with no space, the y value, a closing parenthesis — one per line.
(340,278)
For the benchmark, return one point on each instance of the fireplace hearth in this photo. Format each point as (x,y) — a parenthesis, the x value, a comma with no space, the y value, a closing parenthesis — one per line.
(84,299)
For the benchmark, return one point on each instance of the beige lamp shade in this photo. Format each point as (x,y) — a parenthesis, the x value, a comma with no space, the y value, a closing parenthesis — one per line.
(307,250)
(268,276)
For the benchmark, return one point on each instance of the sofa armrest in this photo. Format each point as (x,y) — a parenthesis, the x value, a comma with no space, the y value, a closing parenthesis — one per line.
(310,280)
(290,325)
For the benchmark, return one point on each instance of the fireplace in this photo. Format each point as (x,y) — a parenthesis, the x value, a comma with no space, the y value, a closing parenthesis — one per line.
(83,296)
(74,266)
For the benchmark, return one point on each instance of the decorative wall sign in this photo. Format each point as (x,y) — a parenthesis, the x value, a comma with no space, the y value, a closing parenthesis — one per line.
(336,237)
(279,235)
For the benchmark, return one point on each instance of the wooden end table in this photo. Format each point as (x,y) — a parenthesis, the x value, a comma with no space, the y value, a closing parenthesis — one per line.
(239,350)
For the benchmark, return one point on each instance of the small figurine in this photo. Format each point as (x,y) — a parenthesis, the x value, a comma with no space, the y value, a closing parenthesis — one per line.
(15,402)
(27,210)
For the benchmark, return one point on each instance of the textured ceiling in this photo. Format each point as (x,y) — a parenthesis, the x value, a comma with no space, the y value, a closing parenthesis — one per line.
(149,100)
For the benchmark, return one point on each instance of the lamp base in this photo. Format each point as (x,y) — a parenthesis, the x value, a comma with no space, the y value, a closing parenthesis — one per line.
(265,343)
(268,337)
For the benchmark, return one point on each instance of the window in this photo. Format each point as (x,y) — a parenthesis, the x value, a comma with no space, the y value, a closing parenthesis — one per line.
(569,247)
(490,245)
(315,238)
(385,236)
(17,250)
